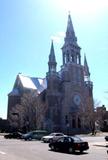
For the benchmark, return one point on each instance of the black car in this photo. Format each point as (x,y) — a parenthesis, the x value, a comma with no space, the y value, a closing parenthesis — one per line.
(69,144)
(16,135)
(106,138)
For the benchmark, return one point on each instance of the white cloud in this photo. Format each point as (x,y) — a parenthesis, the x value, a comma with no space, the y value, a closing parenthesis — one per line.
(58,37)
(61,34)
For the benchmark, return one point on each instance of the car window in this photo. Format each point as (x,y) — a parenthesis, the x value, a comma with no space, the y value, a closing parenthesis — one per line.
(67,139)
(77,139)
(70,140)
(61,140)
(52,134)
(34,133)
(59,134)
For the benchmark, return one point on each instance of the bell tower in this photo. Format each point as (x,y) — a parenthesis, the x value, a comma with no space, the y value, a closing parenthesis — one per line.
(53,93)
(73,83)
(72,70)
(70,49)
(52,75)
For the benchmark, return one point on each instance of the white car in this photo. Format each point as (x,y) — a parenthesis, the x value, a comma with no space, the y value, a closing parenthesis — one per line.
(52,137)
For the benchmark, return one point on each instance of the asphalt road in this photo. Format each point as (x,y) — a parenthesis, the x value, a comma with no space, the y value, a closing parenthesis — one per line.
(11,149)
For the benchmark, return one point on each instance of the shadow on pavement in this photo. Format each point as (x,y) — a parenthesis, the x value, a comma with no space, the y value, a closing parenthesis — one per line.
(98,145)
(75,153)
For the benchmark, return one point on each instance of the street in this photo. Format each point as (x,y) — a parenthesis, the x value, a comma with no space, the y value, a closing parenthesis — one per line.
(12,149)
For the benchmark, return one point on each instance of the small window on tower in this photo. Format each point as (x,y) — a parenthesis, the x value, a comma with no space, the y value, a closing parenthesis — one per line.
(53,68)
(79,123)
(73,123)
(72,58)
(66,119)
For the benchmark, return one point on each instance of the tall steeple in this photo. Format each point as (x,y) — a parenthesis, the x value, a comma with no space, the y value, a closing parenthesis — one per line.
(70,34)
(70,49)
(52,60)
(86,69)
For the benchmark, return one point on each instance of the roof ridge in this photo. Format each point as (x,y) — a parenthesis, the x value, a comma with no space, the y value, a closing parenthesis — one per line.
(20,74)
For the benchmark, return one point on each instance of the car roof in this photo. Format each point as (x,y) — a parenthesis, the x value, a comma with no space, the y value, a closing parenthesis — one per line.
(56,133)
(41,131)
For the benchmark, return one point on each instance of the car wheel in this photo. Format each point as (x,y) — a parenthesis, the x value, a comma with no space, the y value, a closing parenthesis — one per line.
(29,138)
(50,140)
(71,150)
(52,147)
(25,139)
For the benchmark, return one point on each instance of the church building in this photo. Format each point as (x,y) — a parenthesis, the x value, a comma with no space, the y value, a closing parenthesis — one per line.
(68,93)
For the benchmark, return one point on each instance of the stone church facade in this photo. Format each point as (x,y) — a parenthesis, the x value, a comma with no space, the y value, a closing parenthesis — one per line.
(68,92)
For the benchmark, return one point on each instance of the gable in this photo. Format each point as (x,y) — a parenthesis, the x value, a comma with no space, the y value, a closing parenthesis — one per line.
(26,82)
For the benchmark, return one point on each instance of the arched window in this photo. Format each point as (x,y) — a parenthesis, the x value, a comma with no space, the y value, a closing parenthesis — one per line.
(79,123)
(73,123)
(73,58)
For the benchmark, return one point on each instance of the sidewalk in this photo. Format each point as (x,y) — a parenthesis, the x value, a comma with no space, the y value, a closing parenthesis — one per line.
(99,133)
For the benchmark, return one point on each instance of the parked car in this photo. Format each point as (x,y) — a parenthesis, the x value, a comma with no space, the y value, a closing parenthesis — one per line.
(37,134)
(16,135)
(69,144)
(52,137)
(106,138)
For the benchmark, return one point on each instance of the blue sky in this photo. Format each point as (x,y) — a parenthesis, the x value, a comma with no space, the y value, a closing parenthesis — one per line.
(27,28)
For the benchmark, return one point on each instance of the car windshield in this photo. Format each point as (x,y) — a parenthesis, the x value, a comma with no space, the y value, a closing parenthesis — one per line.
(52,134)
(77,139)
(56,134)
(28,133)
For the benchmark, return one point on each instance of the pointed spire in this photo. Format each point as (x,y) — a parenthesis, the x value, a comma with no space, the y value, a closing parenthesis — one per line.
(70,34)
(86,68)
(52,54)
(52,60)
(70,25)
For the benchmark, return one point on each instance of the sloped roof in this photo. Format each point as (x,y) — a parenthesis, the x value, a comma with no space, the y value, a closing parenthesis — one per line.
(15,91)
(39,84)
(27,82)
